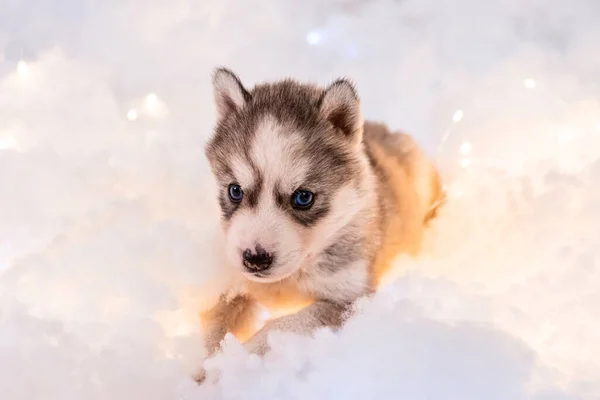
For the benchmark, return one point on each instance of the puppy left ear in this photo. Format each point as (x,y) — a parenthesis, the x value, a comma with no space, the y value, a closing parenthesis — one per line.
(340,105)
(230,94)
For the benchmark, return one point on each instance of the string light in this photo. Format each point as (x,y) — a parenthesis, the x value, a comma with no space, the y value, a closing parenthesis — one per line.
(154,106)
(564,138)
(458,116)
(529,83)
(132,115)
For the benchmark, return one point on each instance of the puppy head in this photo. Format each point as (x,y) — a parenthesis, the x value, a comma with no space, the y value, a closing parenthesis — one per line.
(288,161)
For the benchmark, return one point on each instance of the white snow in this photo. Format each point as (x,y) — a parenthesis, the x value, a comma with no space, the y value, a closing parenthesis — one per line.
(109,238)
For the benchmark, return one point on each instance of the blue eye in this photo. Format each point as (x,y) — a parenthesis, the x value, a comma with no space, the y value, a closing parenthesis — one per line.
(302,199)
(236,194)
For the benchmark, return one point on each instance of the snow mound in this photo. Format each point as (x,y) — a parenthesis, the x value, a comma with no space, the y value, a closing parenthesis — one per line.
(109,237)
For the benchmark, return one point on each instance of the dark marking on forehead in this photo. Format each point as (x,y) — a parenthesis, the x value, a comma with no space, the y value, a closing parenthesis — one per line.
(252,194)
(290,103)
(331,167)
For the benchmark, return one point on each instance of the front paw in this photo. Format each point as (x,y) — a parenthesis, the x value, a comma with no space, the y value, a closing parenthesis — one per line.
(257,344)
(200,376)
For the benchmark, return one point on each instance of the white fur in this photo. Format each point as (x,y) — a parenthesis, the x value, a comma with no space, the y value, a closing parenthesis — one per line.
(346,284)
(268,225)
(270,228)
(273,155)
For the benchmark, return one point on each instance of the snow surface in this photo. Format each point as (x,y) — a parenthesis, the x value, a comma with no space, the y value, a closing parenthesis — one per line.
(109,238)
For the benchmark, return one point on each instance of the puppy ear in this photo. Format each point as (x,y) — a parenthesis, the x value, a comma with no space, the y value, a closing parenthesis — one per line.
(340,105)
(230,94)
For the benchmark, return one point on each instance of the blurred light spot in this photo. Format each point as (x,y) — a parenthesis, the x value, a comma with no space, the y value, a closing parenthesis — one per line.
(565,137)
(132,115)
(458,116)
(153,106)
(465,162)
(313,38)
(22,68)
(466,148)
(8,143)
(265,315)
(529,83)
(151,102)
(455,192)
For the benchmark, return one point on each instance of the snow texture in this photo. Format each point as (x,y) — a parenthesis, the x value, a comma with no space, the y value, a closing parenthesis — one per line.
(109,237)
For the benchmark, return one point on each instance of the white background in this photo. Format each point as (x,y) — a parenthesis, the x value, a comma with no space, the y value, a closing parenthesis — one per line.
(109,226)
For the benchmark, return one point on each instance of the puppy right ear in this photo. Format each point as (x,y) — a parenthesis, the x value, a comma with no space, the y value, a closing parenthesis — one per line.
(230,94)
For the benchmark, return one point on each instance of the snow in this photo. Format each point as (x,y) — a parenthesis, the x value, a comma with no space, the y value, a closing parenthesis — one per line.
(109,238)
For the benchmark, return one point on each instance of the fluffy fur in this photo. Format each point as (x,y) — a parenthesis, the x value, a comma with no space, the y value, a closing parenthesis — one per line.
(373,194)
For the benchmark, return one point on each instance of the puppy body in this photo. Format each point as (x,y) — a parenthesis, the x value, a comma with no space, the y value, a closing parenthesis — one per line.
(371,194)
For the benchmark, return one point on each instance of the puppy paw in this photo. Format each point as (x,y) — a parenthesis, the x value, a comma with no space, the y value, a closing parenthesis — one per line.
(257,345)
(199,376)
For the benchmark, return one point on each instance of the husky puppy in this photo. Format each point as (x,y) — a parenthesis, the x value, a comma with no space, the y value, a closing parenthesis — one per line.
(315,203)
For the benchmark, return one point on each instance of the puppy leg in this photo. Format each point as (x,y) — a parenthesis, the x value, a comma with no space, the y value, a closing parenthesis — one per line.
(319,314)
(235,315)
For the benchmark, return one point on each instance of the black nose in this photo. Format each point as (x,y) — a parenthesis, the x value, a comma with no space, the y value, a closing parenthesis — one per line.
(257,260)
